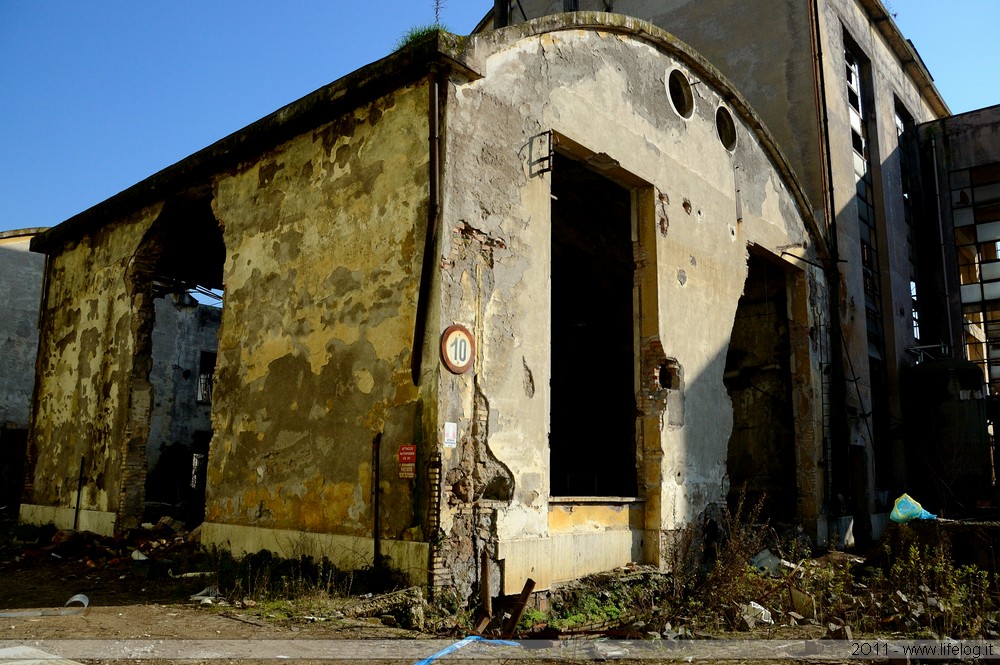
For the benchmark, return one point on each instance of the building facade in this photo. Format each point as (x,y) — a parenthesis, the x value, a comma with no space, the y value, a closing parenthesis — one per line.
(837,84)
(521,294)
(548,295)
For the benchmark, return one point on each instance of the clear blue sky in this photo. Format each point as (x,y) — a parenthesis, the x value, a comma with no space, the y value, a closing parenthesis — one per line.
(96,95)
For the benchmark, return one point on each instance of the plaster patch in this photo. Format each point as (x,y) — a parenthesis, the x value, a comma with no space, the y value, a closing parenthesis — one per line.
(365,380)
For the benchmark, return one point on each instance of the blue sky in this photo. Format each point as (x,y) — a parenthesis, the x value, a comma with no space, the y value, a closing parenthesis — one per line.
(96,95)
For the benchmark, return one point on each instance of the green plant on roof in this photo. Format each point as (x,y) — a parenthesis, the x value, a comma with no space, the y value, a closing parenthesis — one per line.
(418,32)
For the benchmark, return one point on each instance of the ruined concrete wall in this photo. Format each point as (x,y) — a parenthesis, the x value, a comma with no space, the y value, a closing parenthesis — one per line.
(84,377)
(21,281)
(705,205)
(323,247)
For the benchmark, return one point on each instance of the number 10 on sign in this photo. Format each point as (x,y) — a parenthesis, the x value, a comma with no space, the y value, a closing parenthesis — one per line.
(458,349)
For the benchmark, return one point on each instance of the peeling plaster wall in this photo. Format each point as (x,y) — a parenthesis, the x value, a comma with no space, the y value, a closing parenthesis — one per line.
(323,239)
(606,92)
(84,375)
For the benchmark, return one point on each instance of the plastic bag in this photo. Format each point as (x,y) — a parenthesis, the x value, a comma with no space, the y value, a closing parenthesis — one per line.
(907,510)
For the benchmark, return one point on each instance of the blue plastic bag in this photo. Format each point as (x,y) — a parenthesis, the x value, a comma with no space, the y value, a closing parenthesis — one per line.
(907,510)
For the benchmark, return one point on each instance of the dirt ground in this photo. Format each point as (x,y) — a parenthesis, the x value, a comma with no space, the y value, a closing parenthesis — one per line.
(139,600)
(147,602)
(139,588)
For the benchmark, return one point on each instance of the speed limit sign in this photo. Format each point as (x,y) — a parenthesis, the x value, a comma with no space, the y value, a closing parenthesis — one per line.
(458,349)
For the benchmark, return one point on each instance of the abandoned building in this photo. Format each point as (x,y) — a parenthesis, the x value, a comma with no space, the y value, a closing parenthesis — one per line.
(545,294)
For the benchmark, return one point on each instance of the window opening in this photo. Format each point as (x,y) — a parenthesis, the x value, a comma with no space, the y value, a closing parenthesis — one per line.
(726,128)
(679,90)
(206,377)
(592,433)
(904,123)
(875,422)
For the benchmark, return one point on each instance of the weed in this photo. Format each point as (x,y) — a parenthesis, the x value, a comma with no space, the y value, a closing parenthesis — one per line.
(530,619)
(263,576)
(731,581)
(418,33)
(923,588)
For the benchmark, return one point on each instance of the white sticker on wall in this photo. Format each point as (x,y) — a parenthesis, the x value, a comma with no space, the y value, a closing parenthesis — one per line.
(450,435)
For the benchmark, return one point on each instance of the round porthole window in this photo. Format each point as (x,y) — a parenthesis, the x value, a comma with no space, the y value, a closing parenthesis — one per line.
(680,93)
(726,128)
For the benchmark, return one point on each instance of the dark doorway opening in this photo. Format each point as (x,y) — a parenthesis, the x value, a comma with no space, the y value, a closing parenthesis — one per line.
(187,314)
(13,452)
(592,426)
(761,457)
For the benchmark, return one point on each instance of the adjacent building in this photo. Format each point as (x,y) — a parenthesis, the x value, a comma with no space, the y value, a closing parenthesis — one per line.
(21,282)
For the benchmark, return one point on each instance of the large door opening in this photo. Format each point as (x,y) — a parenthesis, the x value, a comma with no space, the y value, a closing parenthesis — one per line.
(592,422)
(183,254)
(13,454)
(761,458)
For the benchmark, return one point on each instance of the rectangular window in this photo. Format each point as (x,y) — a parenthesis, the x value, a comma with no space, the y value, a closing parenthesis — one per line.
(904,123)
(206,376)
(858,91)
(976,216)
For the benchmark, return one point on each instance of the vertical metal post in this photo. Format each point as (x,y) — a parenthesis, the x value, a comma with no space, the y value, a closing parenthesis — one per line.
(79,495)
(376,491)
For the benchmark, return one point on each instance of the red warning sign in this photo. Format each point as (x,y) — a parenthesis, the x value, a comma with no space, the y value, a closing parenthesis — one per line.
(408,461)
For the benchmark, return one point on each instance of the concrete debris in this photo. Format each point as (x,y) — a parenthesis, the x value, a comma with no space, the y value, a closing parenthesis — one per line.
(167,521)
(407,606)
(208,592)
(835,632)
(755,613)
(609,650)
(766,562)
(802,602)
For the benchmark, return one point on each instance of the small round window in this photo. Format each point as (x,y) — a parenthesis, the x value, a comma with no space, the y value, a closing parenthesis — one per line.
(680,93)
(726,128)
